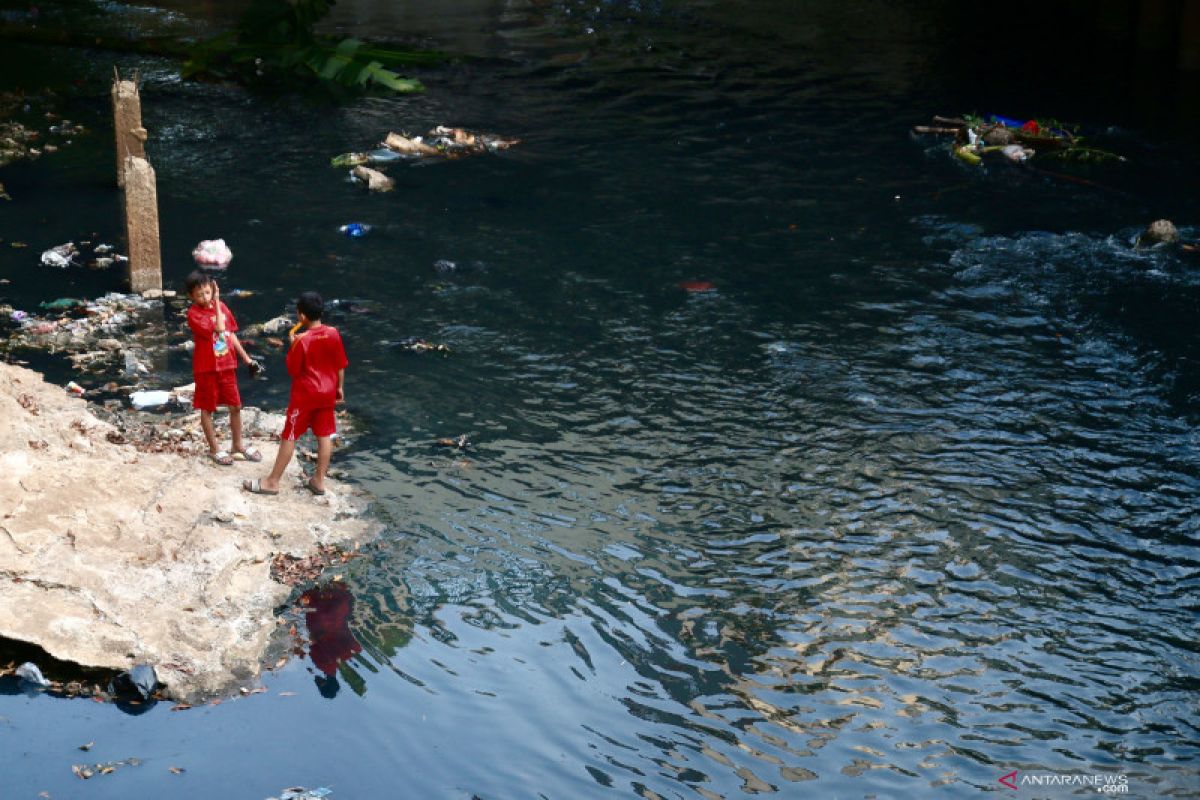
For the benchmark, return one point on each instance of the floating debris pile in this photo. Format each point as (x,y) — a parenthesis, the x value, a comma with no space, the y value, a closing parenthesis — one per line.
(439,142)
(1017,141)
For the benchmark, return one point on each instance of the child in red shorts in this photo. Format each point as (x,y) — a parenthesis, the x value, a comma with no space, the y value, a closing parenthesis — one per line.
(317,363)
(214,365)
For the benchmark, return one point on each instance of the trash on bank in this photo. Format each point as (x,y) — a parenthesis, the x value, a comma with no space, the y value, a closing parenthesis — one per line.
(63,303)
(93,333)
(141,681)
(212,253)
(1017,141)
(149,399)
(30,674)
(74,388)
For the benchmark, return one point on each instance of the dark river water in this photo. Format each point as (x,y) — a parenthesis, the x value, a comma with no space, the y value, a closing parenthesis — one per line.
(906,502)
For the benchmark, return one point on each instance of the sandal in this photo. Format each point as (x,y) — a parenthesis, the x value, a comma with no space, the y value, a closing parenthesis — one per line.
(221,457)
(309,485)
(247,455)
(255,487)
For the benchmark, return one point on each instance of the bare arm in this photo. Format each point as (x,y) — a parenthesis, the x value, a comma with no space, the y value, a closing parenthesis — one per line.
(341,390)
(236,344)
(217,304)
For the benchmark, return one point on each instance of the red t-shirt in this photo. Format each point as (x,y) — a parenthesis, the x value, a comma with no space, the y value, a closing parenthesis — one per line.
(213,351)
(314,362)
(328,618)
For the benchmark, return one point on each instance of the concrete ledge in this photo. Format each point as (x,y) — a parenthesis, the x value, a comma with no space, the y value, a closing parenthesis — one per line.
(111,556)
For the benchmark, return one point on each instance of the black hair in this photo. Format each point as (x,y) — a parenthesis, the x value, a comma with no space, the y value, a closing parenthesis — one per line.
(327,685)
(196,279)
(310,305)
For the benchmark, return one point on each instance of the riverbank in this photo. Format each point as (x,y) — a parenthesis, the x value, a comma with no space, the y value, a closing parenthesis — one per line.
(117,550)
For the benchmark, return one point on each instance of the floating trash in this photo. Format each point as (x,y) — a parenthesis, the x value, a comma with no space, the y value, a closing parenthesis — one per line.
(1013,139)
(375,180)
(447,142)
(381,156)
(415,345)
(85,771)
(61,256)
(212,253)
(300,793)
(355,230)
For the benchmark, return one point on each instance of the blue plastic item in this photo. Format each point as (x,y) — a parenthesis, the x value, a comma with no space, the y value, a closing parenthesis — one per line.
(1007,122)
(383,156)
(356,230)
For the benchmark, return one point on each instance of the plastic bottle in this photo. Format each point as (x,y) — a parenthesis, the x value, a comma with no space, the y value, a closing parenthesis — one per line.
(356,230)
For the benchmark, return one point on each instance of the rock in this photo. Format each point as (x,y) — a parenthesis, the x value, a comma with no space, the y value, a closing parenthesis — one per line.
(158,294)
(108,344)
(1161,231)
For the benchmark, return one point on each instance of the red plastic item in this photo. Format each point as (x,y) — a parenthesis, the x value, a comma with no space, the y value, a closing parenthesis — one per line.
(1031,126)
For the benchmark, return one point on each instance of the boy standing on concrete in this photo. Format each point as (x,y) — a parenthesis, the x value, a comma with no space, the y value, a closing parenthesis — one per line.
(214,365)
(317,363)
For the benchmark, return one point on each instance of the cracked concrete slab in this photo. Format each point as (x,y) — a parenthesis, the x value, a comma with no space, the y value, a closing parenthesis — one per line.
(110,556)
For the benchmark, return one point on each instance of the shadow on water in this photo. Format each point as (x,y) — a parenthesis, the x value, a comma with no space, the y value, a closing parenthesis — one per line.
(904,501)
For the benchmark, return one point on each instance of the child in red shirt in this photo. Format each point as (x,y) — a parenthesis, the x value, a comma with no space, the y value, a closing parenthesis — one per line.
(214,365)
(317,363)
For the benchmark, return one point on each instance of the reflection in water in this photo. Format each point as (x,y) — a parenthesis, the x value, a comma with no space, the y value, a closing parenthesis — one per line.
(907,502)
(330,640)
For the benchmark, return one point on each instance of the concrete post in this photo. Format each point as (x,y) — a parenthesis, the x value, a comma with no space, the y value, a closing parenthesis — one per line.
(1158,21)
(141,225)
(127,123)
(1189,37)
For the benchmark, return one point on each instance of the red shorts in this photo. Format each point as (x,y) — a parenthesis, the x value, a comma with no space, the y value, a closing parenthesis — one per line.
(216,389)
(298,420)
